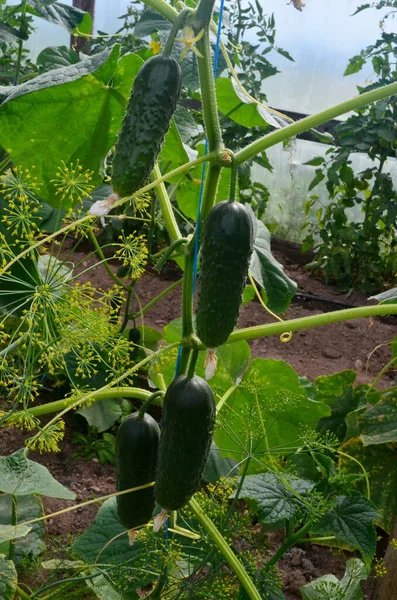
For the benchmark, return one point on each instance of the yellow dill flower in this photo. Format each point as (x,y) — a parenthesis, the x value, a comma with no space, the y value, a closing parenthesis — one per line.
(18,183)
(48,439)
(133,253)
(155,46)
(20,218)
(73,183)
(23,421)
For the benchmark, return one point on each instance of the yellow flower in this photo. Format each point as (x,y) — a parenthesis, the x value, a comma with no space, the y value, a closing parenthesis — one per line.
(189,40)
(155,46)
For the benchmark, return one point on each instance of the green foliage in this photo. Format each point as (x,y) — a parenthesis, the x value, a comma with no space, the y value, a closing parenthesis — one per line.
(92,445)
(9,577)
(329,587)
(359,252)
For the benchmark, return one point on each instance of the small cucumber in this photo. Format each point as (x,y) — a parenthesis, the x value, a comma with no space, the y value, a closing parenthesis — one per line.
(136,455)
(153,100)
(226,250)
(186,435)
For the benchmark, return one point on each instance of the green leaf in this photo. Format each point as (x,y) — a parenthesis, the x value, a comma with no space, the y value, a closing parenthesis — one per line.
(21,477)
(380,463)
(56,57)
(217,467)
(355,65)
(265,414)
(328,587)
(103,589)
(317,179)
(173,149)
(76,120)
(8,579)
(379,425)
(69,17)
(351,521)
(315,162)
(13,532)
(27,508)
(270,498)
(233,359)
(388,297)
(102,415)
(186,124)
(248,294)
(9,34)
(268,272)
(239,109)
(106,542)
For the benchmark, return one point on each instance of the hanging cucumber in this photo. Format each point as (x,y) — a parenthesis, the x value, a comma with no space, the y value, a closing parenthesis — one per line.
(153,100)
(136,455)
(186,433)
(226,250)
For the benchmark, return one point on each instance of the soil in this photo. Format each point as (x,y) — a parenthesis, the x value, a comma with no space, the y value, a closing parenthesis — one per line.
(357,344)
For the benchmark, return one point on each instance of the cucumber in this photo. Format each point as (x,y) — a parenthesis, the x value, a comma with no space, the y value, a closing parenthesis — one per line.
(227,245)
(153,100)
(186,434)
(136,455)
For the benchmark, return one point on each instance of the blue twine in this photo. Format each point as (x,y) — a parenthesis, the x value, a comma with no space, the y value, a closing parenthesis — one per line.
(203,171)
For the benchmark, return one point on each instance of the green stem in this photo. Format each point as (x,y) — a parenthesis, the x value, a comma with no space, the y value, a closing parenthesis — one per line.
(203,14)
(12,346)
(184,360)
(179,23)
(226,551)
(167,253)
(211,187)
(157,299)
(192,364)
(13,522)
(149,401)
(291,541)
(207,85)
(64,583)
(20,42)
(162,7)
(318,540)
(126,310)
(382,372)
(166,207)
(298,127)
(23,595)
(97,396)
(187,295)
(233,181)
(101,256)
(251,333)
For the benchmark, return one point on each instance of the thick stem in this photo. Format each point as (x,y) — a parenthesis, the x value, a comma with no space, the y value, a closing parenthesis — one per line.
(287,545)
(233,181)
(226,551)
(20,42)
(166,207)
(211,187)
(97,396)
(251,333)
(23,595)
(168,252)
(192,364)
(162,7)
(156,299)
(271,139)
(187,298)
(207,87)
(184,360)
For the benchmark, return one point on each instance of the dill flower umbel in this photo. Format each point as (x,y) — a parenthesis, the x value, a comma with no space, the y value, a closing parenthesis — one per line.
(73,183)
(133,253)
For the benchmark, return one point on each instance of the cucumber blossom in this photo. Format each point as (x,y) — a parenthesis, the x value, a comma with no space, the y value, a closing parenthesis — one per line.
(186,434)
(227,244)
(136,455)
(153,100)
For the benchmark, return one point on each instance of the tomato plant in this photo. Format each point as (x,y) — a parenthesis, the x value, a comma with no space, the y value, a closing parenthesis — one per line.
(295,451)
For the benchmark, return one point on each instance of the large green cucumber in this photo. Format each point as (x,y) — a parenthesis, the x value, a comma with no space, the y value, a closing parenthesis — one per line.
(153,100)
(226,250)
(136,455)
(186,433)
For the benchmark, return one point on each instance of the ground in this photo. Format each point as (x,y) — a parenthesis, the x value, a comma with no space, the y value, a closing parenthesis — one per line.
(319,351)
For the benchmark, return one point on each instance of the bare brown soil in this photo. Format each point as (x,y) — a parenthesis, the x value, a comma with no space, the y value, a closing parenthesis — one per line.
(313,352)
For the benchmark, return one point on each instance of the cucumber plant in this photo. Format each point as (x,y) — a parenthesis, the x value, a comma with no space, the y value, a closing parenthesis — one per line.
(168,466)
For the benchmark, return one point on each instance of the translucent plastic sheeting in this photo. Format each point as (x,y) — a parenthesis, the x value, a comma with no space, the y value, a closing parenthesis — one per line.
(289,184)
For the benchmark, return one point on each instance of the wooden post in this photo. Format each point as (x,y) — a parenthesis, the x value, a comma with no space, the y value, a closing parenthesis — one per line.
(88,6)
(387,587)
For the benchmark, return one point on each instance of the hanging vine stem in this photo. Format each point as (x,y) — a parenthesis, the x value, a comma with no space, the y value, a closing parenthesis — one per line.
(284,337)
